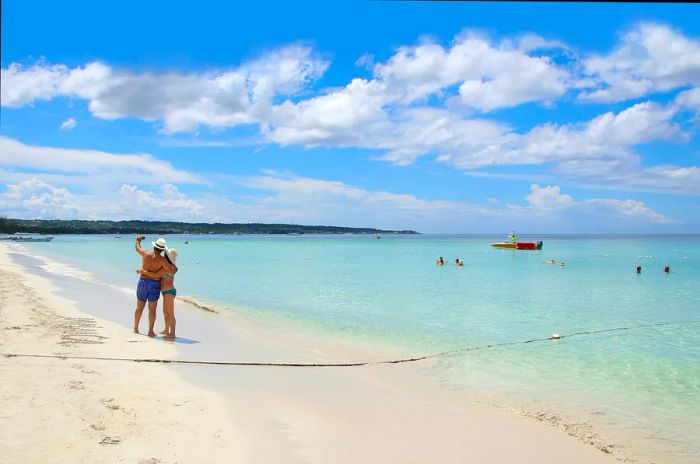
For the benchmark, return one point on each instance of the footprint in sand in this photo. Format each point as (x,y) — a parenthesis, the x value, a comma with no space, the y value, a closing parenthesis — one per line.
(108,403)
(110,441)
(76,385)
(97,427)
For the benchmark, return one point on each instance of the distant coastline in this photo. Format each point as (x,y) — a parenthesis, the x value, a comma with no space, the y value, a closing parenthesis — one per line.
(60,226)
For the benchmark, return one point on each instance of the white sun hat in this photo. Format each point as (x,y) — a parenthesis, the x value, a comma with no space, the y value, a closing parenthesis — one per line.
(159,244)
(172,254)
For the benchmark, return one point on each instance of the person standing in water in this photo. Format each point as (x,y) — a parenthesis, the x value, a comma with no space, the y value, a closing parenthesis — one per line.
(166,274)
(148,289)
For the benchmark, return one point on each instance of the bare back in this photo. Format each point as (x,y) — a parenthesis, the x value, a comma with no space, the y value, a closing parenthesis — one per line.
(152,262)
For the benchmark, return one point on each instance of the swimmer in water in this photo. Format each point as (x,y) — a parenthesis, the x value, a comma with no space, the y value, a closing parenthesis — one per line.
(639,269)
(667,269)
(440,261)
(550,261)
(563,264)
(459,262)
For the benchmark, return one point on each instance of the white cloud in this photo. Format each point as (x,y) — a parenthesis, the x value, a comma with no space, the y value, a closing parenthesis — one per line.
(100,164)
(607,136)
(490,75)
(182,101)
(690,100)
(425,99)
(286,197)
(34,198)
(68,124)
(167,204)
(549,197)
(23,85)
(630,208)
(650,58)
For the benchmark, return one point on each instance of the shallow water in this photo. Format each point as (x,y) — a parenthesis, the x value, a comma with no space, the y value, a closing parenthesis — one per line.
(390,292)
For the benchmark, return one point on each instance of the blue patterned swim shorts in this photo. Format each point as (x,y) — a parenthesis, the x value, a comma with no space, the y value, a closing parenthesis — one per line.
(148,289)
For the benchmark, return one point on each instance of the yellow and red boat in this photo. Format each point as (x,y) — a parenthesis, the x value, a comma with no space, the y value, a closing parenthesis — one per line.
(519,245)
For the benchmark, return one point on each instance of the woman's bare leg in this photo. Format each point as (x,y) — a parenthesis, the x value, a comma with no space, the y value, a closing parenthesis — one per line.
(169,306)
(166,317)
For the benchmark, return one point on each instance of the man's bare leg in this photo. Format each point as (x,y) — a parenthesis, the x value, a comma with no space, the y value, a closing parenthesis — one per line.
(137,314)
(152,317)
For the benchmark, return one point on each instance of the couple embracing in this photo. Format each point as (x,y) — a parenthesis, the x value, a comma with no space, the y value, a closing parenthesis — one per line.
(157,276)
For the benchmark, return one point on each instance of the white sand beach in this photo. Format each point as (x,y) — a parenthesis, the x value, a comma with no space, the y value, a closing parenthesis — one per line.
(83,410)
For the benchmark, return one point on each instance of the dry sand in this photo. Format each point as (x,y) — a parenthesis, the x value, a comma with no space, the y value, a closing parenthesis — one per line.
(63,410)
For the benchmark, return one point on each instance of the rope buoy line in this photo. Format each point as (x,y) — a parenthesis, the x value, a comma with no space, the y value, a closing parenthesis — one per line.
(345,364)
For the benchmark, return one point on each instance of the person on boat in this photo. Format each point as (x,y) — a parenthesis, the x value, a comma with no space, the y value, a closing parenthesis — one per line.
(166,275)
(440,261)
(148,289)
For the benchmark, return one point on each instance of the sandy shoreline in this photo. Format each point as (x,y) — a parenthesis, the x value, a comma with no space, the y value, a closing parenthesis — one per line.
(57,410)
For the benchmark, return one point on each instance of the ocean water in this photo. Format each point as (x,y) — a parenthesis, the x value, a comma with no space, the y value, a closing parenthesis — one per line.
(390,292)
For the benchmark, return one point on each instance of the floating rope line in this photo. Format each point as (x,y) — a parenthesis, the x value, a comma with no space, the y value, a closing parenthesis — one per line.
(346,364)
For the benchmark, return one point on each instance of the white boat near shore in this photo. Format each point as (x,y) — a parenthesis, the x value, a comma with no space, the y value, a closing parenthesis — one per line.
(27,237)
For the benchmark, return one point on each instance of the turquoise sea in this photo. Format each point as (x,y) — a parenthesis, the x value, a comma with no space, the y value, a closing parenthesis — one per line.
(390,292)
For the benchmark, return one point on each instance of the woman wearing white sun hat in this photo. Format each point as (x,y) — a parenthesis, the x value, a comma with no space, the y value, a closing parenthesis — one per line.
(167,287)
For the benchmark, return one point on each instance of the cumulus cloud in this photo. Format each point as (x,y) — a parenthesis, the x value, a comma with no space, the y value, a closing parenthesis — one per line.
(68,124)
(609,135)
(167,204)
(426,99)
(490,75)
(181,101)
(549,199)
(650,58)
(34,198)
(630,208)
(689,100)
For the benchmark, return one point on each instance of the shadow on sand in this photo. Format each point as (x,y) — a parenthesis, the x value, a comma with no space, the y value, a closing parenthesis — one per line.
(181,340)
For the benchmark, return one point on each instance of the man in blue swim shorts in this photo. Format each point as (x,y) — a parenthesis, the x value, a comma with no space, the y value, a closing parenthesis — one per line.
(148,290)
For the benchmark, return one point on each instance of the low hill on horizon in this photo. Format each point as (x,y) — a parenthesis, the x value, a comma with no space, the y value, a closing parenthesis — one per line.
(62,226)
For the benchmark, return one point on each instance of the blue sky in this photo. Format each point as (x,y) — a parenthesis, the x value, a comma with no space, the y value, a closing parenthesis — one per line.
(438,117)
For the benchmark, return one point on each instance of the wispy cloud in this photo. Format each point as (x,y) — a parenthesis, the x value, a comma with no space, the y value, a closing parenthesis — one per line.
(68,124)
(102,165)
